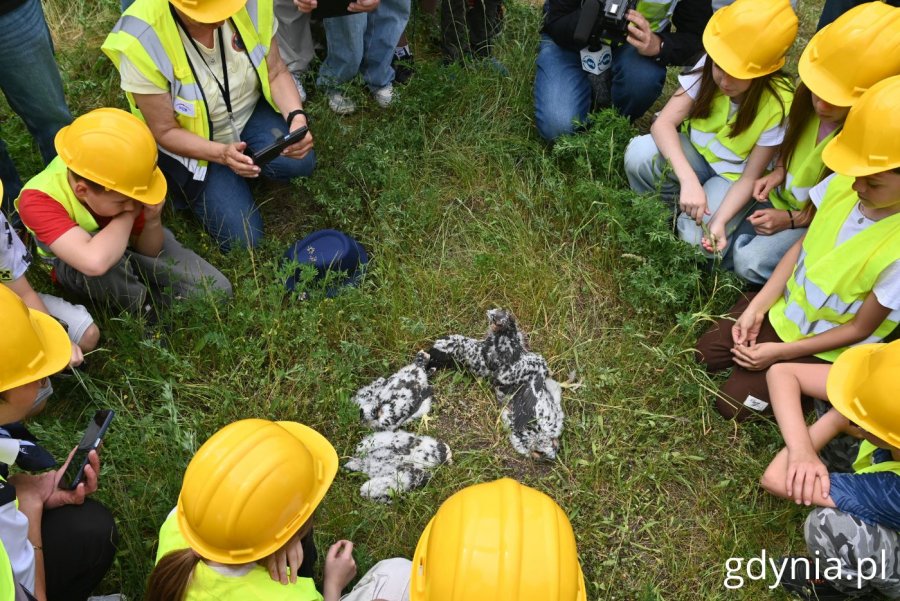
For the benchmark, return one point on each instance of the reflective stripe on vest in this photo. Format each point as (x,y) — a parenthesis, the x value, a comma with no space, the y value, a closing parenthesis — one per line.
(657,12)
(148,36)
(864,465)
(728,156)
(207,584)
(54,182)
(829,283)
(805,170)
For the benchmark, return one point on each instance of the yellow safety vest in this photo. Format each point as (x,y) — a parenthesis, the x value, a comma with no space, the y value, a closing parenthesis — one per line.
(830,283)
(53,181)
(148,36)
(805,170)
(657,12)
(864,465)
(7,580)
(726,155)
(209,585)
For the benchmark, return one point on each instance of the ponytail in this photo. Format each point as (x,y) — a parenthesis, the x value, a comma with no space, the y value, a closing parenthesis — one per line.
(171,576)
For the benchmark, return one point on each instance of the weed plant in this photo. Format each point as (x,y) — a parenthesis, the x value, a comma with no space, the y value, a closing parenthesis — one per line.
(462,208)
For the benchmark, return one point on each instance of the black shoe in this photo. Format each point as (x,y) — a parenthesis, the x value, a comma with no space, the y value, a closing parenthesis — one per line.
(403,69)
(811,587)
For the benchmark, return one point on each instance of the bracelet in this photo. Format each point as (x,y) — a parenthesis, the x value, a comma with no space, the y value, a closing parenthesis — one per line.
(791,215)
(292,114)
(38,548)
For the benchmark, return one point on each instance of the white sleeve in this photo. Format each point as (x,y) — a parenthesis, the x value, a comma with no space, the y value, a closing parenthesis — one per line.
(690,81)
(134,81)
(13,254)
(817,192)
(887,288)
(772,136)
(14,535)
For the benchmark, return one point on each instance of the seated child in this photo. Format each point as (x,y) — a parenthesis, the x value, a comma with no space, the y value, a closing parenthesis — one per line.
(852,535)
(96,213)
(730,111)
(839,64)
(837,286)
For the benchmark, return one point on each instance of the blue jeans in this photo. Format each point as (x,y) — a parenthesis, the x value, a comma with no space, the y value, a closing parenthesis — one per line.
(756,255)
(363,43)
(225,203)
(562,92)
(32,85)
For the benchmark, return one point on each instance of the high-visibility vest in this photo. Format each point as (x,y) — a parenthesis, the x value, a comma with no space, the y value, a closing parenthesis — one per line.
(829,284)
(7,580)
(147,35)
(864,464)
(53,181)
(709,135)
(657,12)
(805,169)
(209,585)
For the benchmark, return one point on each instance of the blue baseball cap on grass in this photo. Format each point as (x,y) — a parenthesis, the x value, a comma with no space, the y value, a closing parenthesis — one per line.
(328,250)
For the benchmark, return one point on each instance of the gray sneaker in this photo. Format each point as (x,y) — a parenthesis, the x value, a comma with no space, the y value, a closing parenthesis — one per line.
(384,96)
(340,104)
(298,81)
(116,597)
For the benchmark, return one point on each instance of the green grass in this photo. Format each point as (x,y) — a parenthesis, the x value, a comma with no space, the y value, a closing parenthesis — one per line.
(463,209)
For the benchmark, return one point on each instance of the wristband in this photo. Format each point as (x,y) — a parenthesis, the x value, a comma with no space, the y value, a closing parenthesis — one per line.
(292,114)
(791,215)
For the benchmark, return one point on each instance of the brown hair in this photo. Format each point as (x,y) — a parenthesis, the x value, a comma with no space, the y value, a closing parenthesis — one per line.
(94,186)
(748,107)
(170,578)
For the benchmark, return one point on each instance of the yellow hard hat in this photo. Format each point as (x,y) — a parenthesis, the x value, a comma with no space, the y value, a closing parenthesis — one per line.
(34,345)
(867,143)
(862,385)
(251,486)
(115,149)
(749,38)
(853,53)
(499,541)
(209,11)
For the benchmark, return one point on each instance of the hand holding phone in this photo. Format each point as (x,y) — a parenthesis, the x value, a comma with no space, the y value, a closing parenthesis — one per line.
(273,150)
(92,438)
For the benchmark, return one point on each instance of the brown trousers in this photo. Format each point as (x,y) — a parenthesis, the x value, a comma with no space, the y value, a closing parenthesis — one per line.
(714,351)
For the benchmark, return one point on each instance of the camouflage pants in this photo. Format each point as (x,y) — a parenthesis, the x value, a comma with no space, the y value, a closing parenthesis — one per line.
(870,553)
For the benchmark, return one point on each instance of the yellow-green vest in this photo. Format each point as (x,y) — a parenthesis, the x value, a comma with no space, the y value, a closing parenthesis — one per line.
(7,580)
(829,284)
(864,465)
(805,170)
(209,585)
(709,135)
(148,36)
(53,181)
(657,12)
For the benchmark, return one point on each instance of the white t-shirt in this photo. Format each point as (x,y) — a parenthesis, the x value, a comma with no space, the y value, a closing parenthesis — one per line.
(14,257)
(690,82)
(887,287)
(243,82)
(14,524)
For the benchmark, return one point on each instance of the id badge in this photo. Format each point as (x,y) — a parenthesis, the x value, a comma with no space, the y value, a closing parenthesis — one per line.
(597,61)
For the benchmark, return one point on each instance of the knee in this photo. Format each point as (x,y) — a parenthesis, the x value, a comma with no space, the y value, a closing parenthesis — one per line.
(89,339)
(222,286)
(822,525)
(552,124)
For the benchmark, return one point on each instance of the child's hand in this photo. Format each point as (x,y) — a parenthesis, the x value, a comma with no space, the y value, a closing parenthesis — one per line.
(764,185)
(692,201)
(758,356)
(769,221)
(716,239)
(306,6)
(153,213)
(804,467)
(290,555)
(746,328)
(340,568)
(363,6)
(77,356)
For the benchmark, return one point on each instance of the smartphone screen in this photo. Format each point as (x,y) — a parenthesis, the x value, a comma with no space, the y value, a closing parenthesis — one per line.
(90,441)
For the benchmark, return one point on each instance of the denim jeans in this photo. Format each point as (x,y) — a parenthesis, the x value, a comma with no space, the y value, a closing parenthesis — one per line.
(562,92)
(648,171)
(32,85)
(835,8)
(756,255)
(363,43)
(225,203)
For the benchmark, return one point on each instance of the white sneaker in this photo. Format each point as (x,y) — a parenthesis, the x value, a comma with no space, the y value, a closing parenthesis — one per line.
(340,104)
(298,81)
(384,96)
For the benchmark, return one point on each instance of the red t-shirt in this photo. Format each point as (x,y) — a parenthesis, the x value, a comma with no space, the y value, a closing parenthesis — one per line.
(49,220)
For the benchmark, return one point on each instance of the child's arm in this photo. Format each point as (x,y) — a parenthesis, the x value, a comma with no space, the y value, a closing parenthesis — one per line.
(870,315)
(95,255)
(692,199)
(823,430)
(150,241)
(738,195)
(787,383)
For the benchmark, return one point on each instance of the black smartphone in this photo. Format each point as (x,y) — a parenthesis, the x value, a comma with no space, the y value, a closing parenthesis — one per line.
(93,435)
(272,151)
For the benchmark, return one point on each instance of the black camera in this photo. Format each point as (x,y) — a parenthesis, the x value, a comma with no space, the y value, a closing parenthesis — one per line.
(601,19)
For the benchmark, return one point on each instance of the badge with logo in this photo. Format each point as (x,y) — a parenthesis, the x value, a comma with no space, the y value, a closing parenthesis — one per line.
(183,107)
(596,61)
